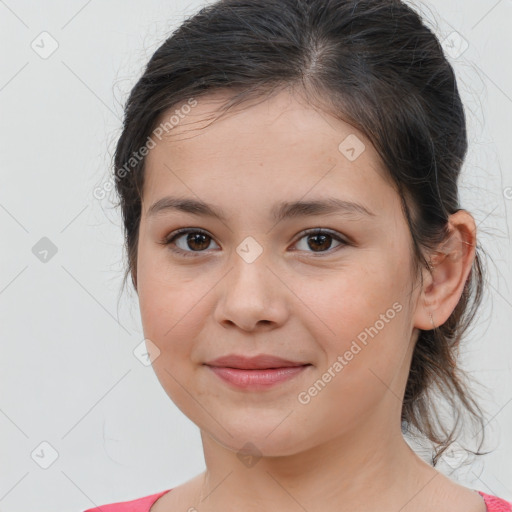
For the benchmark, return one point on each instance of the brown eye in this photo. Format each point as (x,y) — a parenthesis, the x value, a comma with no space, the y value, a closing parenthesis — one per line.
(320,240)
(195,240)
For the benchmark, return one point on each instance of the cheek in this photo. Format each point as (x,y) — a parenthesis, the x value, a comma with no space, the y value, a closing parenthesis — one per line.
(170,317)
(362,315)
(172,320)
(161,294)
(362,359)
(174,313)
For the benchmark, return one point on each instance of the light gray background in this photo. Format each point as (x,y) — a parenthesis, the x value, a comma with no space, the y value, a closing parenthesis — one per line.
(68,373)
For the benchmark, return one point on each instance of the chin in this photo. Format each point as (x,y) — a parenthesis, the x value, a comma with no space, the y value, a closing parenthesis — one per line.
(264,440)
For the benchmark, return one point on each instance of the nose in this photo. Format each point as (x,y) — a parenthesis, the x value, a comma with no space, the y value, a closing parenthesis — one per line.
(252,296)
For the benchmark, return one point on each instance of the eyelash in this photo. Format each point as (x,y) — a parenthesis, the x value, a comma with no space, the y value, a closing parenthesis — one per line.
(168,240)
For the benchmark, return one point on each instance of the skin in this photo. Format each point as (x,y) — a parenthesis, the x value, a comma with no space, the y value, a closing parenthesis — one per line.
(344,449)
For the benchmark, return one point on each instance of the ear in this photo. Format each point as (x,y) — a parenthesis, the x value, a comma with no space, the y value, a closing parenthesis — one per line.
(450,264)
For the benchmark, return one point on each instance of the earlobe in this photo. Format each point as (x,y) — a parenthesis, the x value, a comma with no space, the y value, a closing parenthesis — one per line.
(424,318)
(450,267)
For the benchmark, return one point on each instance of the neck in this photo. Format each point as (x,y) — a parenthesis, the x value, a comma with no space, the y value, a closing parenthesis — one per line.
(363,470)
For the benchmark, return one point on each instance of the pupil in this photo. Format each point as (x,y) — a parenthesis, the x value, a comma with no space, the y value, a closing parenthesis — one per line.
(324,237)
(195,236)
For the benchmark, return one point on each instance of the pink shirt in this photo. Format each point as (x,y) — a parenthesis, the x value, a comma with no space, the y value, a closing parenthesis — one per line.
(493,503)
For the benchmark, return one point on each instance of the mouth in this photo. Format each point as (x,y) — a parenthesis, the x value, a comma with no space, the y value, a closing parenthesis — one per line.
(256,373)
(260,362)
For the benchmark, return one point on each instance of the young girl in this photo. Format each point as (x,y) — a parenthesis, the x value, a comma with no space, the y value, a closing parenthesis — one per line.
(287,175)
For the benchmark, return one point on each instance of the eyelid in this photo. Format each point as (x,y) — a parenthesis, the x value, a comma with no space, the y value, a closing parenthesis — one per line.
(320,231)
(169,239)
(343,240)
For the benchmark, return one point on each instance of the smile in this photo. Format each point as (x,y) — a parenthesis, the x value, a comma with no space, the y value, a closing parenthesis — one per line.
(257,379)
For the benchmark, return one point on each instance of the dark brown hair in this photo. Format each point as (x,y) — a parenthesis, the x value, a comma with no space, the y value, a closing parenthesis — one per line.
(371,63)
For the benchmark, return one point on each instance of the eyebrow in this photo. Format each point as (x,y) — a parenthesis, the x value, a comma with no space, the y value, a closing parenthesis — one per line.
(284,210)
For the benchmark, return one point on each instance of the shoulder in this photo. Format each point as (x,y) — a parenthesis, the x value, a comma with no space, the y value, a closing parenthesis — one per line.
(495,504)
(137,505)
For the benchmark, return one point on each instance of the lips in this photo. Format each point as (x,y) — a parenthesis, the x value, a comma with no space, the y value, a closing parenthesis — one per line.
(260,362)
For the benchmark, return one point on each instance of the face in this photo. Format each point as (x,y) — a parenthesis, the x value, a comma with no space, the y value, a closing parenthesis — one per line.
(250,283)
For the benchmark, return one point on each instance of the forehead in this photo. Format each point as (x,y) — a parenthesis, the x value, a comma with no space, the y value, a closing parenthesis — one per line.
(271,147)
